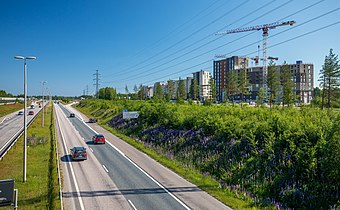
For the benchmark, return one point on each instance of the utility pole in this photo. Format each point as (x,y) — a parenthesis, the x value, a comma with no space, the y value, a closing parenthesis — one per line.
(42,103)
(96,79)
(87,90)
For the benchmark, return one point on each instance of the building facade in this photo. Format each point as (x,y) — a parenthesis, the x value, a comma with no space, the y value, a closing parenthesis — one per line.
(220,72)
(302,76)
(203,80)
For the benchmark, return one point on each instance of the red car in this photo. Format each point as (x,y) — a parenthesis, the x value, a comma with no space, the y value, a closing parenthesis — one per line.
(98,138)
(30,113)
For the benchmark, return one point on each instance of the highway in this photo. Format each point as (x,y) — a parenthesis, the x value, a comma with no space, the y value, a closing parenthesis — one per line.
(118,176)
(11,125)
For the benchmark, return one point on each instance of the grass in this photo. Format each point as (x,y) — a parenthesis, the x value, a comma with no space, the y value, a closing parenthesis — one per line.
(10,108)
(41,190)
(206,183)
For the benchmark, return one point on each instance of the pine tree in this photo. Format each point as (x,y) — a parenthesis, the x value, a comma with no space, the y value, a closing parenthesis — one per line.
(287,85)
(243,84)
(273,81)
(171,90)
(329,77)
(181,90)
(212,89)
(231,87)
(261,96)
(194,89)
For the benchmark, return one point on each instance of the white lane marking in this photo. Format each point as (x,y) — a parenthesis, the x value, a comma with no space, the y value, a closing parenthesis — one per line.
(133,206)
(72,171)
(105,169)
(91,149)
(144,172)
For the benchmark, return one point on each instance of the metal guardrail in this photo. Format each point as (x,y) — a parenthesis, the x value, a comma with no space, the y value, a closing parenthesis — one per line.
(15,138)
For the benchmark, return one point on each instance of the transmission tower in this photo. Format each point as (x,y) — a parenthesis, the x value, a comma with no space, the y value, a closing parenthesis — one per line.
(96,79)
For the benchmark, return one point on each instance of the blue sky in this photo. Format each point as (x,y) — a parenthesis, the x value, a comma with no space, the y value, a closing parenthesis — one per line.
(133,42)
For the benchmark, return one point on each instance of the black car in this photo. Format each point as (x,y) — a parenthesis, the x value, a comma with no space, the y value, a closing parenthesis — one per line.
(72,115)
(79,153)
(92,120)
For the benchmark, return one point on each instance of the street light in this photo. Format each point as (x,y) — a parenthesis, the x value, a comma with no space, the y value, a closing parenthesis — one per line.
(43,83)
(25,114)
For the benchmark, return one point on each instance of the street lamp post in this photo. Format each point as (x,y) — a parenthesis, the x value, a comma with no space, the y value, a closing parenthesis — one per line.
(25,114)
(43,83)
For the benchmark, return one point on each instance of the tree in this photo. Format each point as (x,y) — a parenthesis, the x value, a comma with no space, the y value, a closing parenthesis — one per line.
(231,86)
(273,82)
(287,85)
(141,92)
(158,94)
(261,96)
(194,89)
(243,84)
(171,90)
(126,89)
(135,88)
(4,94)
(212,89)
(107,93)
(181,90)
(329,77)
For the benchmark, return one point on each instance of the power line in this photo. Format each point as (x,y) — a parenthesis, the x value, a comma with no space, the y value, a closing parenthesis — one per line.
(142,73)
(189,36)
(172,32)
(271,46)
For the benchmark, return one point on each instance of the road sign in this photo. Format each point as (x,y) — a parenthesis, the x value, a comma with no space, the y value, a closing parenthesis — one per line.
(130,115)
(6,192)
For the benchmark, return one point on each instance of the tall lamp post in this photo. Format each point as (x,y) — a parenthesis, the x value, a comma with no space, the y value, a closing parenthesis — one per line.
(25,114)
(43,84)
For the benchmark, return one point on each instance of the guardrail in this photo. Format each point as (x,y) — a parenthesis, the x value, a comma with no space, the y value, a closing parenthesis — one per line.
(15,138)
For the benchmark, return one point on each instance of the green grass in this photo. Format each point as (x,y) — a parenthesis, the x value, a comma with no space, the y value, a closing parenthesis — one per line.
(10,108)
(41,190)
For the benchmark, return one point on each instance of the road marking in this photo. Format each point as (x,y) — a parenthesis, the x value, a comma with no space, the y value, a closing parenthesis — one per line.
(91,149)
(72,171)
(133,206)
(105,169)
(150,177)
(144,172)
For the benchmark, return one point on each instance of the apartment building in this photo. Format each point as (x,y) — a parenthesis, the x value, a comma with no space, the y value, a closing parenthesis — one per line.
(203,80)
(220,72)
(302,76)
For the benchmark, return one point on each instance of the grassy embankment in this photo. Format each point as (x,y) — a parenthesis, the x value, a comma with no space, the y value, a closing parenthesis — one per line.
(9,108)
(41,190)
(206,183)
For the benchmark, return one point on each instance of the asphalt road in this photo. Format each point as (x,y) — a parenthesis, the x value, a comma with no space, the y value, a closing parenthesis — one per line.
(133,180)
(11,125)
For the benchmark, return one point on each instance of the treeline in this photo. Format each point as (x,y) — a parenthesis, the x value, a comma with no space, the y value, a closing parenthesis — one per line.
(285,157)
(5,94)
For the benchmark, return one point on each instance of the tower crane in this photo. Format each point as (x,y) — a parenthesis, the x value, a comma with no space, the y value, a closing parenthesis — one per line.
(265,28)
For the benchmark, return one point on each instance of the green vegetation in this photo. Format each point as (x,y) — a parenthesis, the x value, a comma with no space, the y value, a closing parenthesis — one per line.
(4,94)
(41,191)
(10,108)
(281,156)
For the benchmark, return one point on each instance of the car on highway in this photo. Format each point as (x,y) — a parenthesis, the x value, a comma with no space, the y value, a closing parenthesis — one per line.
(20,113)
(30,113)
(78,153)
(98,138)
(72,115)
(92,120)
(32,106)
